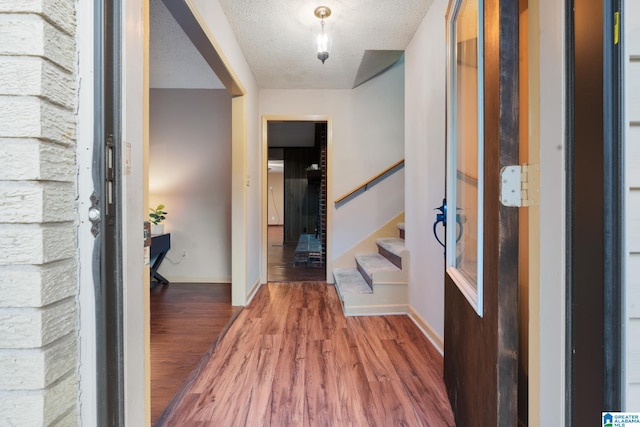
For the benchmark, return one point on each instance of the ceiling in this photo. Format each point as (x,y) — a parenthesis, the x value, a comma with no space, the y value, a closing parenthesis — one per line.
(278,37)
(170,50)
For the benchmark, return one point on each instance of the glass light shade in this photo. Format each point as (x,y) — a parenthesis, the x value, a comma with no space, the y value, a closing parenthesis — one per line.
(323,49)
(323,41)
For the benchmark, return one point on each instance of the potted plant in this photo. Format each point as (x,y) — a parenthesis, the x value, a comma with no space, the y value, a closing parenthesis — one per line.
(156,217)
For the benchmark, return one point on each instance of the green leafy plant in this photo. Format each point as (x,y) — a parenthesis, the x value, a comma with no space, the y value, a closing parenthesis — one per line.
(157,215)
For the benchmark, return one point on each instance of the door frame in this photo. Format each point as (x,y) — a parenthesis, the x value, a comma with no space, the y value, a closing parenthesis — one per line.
(595,198)
(614,196)
(108,180)
(126,399)
(533,214)
(547,304)
(266,118)
(134,67)
(192,23)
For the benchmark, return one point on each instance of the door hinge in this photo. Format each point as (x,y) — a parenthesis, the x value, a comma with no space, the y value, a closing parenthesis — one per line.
(616,28)
(520,185)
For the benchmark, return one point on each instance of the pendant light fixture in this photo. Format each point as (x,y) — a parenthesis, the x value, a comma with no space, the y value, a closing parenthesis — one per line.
(323,40)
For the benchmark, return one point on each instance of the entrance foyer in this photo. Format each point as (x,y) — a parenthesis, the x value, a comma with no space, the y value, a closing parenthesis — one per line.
(291,359)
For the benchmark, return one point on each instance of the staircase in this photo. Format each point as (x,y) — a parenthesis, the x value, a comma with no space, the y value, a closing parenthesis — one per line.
(378,283)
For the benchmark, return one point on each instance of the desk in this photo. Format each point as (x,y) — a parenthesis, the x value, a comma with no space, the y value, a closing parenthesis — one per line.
(160,245)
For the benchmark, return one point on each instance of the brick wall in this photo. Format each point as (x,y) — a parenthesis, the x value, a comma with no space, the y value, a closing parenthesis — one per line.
(38,251)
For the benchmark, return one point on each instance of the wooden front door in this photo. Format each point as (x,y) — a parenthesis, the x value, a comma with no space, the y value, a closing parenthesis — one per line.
(481,280)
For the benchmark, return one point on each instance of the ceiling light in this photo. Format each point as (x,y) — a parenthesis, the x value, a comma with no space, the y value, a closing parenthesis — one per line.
(323,40)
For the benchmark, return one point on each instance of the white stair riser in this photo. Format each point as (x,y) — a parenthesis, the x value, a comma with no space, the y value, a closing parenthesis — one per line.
(386,299)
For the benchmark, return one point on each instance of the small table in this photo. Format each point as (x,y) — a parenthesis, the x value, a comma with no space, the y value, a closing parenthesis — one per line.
(160,245)
(309,251)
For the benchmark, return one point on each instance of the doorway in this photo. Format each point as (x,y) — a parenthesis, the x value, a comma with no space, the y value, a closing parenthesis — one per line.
(189,173)
(296,191)
(296,214)
(134,62)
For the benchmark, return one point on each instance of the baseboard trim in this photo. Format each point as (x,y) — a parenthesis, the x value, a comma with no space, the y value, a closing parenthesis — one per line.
(191,279)
(427,330)
(253,291)
(375,310)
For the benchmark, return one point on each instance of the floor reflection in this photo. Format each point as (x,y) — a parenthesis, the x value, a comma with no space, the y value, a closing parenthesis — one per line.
(281,260)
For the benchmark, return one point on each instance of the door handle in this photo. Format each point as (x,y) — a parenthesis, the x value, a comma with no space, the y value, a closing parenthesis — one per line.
(442,218)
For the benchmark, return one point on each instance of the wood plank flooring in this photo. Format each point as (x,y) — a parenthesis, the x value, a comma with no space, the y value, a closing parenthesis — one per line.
(281,257)
(185,319)
(291,358)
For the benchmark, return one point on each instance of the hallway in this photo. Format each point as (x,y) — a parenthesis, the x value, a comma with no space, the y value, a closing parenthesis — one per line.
(292,359)
(281,260)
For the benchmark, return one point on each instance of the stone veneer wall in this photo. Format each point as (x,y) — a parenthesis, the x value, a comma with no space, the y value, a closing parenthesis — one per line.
(38,250)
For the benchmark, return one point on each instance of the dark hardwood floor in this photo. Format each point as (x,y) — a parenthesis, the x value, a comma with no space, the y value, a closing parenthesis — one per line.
(281,257)
(185,320)
(291,358)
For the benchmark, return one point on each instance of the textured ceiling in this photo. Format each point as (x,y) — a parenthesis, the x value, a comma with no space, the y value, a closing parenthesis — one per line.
(278,37)
(174,62)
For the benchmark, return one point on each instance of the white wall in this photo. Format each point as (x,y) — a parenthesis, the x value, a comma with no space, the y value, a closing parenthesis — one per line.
(425,164)
(246,185)
(190,173)
(275,201)
(631,40)
(368,135)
